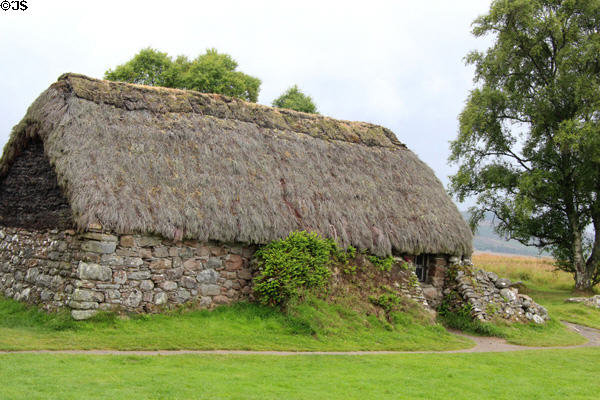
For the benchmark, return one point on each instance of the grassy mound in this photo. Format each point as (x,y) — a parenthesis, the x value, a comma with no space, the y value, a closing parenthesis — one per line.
(311,325)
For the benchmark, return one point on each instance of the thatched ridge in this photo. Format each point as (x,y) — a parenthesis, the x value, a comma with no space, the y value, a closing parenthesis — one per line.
(185,164)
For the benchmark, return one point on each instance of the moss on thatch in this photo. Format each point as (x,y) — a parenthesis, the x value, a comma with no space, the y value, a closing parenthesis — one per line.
(204,166)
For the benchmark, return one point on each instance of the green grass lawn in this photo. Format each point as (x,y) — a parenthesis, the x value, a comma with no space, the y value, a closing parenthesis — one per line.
(319,326)
(544,374)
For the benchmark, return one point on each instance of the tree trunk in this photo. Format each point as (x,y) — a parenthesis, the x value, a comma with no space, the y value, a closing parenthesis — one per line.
(593,262)
(583,279)
(583,273)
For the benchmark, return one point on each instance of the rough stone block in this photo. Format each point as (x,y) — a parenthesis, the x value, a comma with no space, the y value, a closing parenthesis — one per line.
(210,290)
(174,274)
(234,262)
(189,282)
(217,251)
(127,252)
(492,277)
(193,265)
(208,276)
(94,227)
(503,283)
(87,295)
(127,241)
(113,294)
(182,296)
(146,285)
(111,259)
(160,298)
(32,274)
(120,277)
(168,285)
(160,252)
(204,302)
(244,274)
(99,247)
(134,299)
(94,272)
(43,280)
(133,262)
(214,262)
(177,263)
(101,237)
(221,300)
(83,305)
(202,251)
(145,253)
(148,241)
(46,295)
(83,314)
(162,263)
(139,275)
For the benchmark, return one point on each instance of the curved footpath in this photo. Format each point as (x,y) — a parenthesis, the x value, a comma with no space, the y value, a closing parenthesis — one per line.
(482,345)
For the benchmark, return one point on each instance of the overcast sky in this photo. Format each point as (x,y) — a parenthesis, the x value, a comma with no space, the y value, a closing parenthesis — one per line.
(394,63)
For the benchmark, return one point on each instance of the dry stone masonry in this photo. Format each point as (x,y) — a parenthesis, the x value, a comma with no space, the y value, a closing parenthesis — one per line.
(593,301)
(489,296)
(99,271)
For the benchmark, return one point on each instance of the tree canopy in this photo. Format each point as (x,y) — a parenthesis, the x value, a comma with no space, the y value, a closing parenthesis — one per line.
(529,139)
(211,72)
(294,99)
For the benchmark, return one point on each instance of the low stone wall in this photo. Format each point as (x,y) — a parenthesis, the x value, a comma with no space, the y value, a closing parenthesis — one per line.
(489,296)
(98,271)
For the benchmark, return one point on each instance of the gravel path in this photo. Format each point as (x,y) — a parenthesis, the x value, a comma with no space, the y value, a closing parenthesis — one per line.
(482,345)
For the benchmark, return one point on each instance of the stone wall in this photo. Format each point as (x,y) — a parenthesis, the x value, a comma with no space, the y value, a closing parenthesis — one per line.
(98,271)
(488,296)
(38,267)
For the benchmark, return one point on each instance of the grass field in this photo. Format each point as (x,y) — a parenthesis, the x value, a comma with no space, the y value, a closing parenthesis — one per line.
(536,271)
(545,374)
(541,374)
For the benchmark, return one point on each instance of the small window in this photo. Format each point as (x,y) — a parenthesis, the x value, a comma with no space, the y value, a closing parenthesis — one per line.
(421,262)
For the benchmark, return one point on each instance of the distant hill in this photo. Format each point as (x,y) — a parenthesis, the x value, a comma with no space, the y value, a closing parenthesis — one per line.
(486,239)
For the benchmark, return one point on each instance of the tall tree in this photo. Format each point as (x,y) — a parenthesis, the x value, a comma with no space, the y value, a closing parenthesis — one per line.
(529,140)
(294,99)
(148,67)
(212,72)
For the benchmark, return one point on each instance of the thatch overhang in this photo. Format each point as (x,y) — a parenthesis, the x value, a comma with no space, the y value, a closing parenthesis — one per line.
(209,167)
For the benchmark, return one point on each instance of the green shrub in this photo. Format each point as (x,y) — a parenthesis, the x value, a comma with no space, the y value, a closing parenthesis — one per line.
(387,301)
(384,263)
(300,261)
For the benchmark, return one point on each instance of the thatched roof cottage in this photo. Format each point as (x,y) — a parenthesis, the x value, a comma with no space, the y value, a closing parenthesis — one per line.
(120,194)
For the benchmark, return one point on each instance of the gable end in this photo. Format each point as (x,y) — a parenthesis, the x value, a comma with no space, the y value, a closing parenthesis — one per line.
(29,193)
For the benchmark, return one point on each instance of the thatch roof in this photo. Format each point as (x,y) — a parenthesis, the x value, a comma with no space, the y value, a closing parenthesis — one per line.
(186,164)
